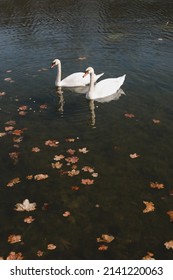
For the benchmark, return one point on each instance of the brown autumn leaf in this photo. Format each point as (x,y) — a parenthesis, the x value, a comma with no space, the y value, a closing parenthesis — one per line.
(17,139)
(29,219)
(169,244)
(70,151)
(35,149)
(88,169)
(170,213)
(57,165)
(51,247)
(23,108)
(9,128)
(75,188)
(102,247)
(13,182)
(29,177)
(156,185)
(72,159)
(70,139)
(40,177)
(127,115)
(105,238)
(58,157)
(95,175)
(66,214)
(156,121)
(149,206)
(135,155)
(17,132)
(87,182)
(40,253)
(14,238)
(52,143)
(15,256)
(25,206)
(11,122)
(73,172)
(22,113)
(83,150)
(2,134)
(43,106)
(149,256)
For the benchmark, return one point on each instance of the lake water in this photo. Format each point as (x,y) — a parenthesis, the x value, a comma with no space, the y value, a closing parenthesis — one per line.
(115,37)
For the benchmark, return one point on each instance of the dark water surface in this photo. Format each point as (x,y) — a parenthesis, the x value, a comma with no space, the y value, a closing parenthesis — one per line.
(115,37)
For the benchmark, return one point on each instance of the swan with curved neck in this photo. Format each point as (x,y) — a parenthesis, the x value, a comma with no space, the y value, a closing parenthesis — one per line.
(103,88)
(73,80)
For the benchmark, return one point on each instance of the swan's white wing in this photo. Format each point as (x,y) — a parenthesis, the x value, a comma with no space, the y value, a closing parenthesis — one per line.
(107,87)
(77,80)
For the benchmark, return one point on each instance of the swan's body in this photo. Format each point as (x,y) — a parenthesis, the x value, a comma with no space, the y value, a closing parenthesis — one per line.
(103,88)
(73,80)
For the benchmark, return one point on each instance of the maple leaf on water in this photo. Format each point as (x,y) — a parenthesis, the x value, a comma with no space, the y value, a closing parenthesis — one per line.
(87,182)
(156,185)
(29,220)
(66,214)
(95,175)
(149,256)
(127,115)
(15,256)
(73,172)
(9,128)
(106,238)
(170,213)
(17,132)
(43,106)
(29,177)
(14,238)
(156,121)
(52,143)
(135,155)
(83,150)
(10,122)
(40,177)
(35,149)
(169,244)
(149,207)
(25,206)
(57,165)
(70,139)
(75,188)
(23,108)
(102,247)
(40,253)
(51,247)
(88,169)
(72,159)
(70,151)
(58,157)
(2,134)
(13,182)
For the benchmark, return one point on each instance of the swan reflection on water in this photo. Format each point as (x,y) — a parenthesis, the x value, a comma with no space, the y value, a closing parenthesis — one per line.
(91,102)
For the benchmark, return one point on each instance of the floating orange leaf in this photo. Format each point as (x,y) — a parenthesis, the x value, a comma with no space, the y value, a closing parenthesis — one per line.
(40,177)
(35,149)
(13,182)
(170,213)
(2,134)
(52,143)
(149,207)
(66,214)
(102,247)
(39,253)
(15,256)
(83,150)
(156,185)
(75,188)
(23,108)
(73,172)
(72,159)
(70,139)
(57,165)
(58,157)
(169,244)
(11,122)
(29,220)
(127,115)
(71,151)
(9,128)
(149,256)
(87,181)
(17,139)
(51,247)
(106,238)
(95,175)
(88,169)
(14,238)
(29,177)
(25,206)
(135,155)
(17,132)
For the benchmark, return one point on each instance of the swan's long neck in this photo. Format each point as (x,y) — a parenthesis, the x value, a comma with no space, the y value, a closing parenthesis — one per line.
(58,77)
(91,86)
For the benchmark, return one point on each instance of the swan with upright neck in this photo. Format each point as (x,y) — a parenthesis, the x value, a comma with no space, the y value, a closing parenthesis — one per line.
(73,80)
(103,88)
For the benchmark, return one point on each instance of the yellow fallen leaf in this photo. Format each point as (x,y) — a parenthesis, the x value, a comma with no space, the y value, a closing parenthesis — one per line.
(149,207)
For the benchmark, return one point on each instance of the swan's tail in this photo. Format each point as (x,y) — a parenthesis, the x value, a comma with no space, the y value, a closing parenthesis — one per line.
(98,76)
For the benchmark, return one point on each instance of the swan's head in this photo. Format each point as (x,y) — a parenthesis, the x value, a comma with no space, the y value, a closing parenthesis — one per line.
(89,70)
(55,62)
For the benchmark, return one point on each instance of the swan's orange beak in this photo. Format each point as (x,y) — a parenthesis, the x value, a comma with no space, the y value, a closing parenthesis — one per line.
(85,74)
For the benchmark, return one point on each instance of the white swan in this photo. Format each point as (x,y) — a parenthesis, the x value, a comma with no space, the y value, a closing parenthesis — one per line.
(103,88)
(73,80)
